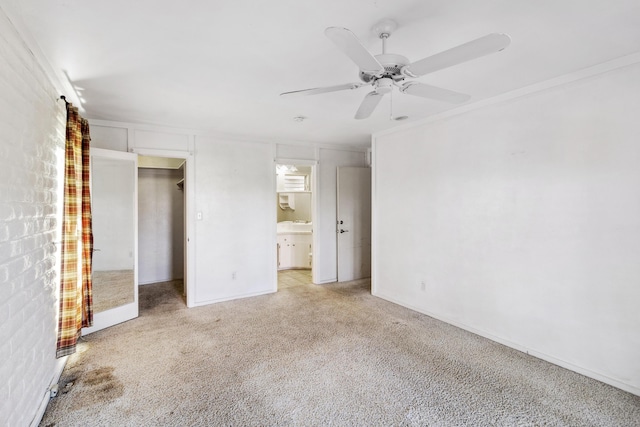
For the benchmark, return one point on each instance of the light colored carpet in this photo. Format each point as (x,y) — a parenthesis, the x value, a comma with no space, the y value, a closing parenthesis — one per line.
(316,355)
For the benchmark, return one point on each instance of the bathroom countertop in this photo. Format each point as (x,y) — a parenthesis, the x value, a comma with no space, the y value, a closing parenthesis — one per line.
(290,227)
(280,233)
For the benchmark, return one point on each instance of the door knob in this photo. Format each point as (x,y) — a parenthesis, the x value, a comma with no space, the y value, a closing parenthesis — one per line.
(343,231)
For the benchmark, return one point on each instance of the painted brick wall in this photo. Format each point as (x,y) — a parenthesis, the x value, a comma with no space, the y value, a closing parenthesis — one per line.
(31,140)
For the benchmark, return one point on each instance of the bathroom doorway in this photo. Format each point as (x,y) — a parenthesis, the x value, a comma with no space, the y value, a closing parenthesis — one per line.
(295,238)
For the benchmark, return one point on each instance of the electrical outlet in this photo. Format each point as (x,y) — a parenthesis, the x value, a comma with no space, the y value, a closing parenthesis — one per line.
(423,285)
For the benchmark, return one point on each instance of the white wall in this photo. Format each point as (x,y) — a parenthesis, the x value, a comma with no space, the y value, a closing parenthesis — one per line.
(32,127)
(235,246)
(302,211)
(160,225)
(109,137)
(523,221)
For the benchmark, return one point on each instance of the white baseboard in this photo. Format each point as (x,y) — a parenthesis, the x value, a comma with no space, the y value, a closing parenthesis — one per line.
(59,367)
(551,359)
(151,282)
(324,282)
(213,301)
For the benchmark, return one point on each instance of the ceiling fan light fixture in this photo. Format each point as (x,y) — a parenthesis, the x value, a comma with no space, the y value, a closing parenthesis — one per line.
(386,70)
(384,85)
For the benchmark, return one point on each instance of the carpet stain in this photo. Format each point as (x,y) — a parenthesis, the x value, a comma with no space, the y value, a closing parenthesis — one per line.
(67,387)
(99,386)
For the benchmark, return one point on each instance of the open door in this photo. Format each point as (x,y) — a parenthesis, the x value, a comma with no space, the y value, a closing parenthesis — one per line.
(114,207)
(354,223)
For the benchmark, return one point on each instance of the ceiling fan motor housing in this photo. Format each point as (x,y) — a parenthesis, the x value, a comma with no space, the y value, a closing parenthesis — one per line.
(392,64)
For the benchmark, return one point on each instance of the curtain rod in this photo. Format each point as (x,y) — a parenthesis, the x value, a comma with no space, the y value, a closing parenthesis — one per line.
(64,98)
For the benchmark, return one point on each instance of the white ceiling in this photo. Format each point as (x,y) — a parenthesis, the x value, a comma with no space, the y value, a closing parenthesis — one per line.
(220,65)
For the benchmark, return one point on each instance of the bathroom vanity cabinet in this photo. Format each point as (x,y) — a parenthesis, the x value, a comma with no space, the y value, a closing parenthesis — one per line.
(294,251)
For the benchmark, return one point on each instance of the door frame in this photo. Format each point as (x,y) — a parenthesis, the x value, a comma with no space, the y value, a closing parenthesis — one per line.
(314,213)
(189,208)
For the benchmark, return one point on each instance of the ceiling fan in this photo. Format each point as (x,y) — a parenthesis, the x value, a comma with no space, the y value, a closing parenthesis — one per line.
(387,70)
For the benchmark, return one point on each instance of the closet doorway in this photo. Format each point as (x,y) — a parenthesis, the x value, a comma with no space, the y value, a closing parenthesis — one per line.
(162,221)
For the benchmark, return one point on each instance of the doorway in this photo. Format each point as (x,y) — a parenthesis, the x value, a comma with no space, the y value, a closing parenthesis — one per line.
(161,221)
(295,208)
(175,164)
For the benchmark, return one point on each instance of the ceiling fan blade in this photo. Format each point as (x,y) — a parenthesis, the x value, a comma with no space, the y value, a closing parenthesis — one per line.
(465,52)
(318,90)
(348,43)
(369,103)
(432,92)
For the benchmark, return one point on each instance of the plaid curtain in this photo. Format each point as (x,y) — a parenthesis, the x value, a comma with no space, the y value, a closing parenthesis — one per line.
(76,300)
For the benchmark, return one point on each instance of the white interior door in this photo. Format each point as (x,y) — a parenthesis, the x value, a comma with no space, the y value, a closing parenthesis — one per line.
(114,209)
(354,223)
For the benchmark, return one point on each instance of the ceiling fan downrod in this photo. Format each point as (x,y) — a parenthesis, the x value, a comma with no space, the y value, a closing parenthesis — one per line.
(384,37)
(384,29)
